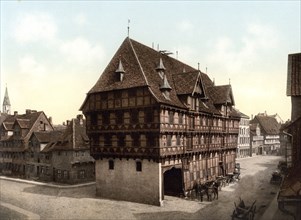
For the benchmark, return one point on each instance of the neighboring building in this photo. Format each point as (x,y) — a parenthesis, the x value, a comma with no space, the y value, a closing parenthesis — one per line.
(39,163)
(256,139)
(244,148)
(15,133)
(269,128)
(289,196)
(6,107)
(157,126)
(293,88)
(62,155)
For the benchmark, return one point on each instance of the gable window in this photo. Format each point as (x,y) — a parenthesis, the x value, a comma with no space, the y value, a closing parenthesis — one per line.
(121,142)
(178,140)
(119,117)
(149,117)
(108,141)
(105,118)
(111,164)
(138,166)
(82,174)
(65,173)
(134,116)
(168,140)
(136,140)
(150,140)
(170,117)
(59,174)
(180,118)
(94,119)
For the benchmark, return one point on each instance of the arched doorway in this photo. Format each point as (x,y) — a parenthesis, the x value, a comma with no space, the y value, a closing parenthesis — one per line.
(173,182)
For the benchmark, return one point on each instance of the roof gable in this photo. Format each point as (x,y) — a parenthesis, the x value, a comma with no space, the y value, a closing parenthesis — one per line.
(268,124)
(221,94)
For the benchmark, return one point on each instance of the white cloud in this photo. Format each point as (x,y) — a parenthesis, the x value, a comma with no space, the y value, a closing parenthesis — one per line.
(257,39)
(81,52)
(80,19)
(29,65)
(34,27)
(185,25)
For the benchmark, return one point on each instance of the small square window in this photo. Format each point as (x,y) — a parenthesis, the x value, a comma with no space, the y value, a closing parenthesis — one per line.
(138,166)
(111,165)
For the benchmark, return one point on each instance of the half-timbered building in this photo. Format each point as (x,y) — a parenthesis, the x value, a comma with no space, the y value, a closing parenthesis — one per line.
(157,126)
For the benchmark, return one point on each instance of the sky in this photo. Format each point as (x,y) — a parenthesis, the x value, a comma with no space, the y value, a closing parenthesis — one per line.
(53,52)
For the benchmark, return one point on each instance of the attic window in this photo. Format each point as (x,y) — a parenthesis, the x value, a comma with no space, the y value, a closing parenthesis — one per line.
(119,72)
(160,68)
(166,95)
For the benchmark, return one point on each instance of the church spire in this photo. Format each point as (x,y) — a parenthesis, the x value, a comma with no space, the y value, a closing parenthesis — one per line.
(6,103)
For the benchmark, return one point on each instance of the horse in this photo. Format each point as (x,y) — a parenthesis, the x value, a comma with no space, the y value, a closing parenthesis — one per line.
(212,190)
(200,190)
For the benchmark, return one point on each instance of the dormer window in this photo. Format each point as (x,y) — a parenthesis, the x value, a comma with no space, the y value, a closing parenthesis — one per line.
(119,72)
(160,69)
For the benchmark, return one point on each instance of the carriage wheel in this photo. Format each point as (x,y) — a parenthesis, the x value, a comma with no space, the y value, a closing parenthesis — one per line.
(251,216)
(233,215)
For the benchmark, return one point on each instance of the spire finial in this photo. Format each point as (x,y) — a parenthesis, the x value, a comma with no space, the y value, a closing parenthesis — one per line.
(129,27)
(229,81)
(198,66)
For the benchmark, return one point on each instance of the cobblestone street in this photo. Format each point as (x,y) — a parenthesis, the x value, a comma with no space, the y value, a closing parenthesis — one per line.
(80,203)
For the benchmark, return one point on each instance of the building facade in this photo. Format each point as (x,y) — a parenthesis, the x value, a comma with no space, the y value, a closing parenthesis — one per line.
(270,130)
(61,156)
(157,126)
(244,148)
(256,139)
(289,200)
(15,133)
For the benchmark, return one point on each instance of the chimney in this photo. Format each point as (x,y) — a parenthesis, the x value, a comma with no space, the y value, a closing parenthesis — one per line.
(80,119)
(27,111)
(15,113)
(68,122)
(50,120)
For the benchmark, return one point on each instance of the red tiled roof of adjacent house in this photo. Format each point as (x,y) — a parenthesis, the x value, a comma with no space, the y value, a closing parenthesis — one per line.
(269,124)
(47,136)
(24,123)
(294,75)
(72,138)
(25,120)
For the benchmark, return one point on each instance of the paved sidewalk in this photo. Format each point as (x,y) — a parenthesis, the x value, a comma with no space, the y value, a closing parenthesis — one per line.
(54,185)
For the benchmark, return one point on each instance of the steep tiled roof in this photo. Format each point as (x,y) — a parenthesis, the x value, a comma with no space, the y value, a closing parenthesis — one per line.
(141,65)
(24,123)
(294,75)
(268,124)
(74,137)
(47,136)
(221,94)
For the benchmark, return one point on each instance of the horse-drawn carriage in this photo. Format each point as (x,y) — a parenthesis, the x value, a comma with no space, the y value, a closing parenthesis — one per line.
(276,178)
(244,212)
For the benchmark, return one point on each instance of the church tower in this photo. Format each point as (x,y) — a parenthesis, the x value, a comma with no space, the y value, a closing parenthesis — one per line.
(6,103)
